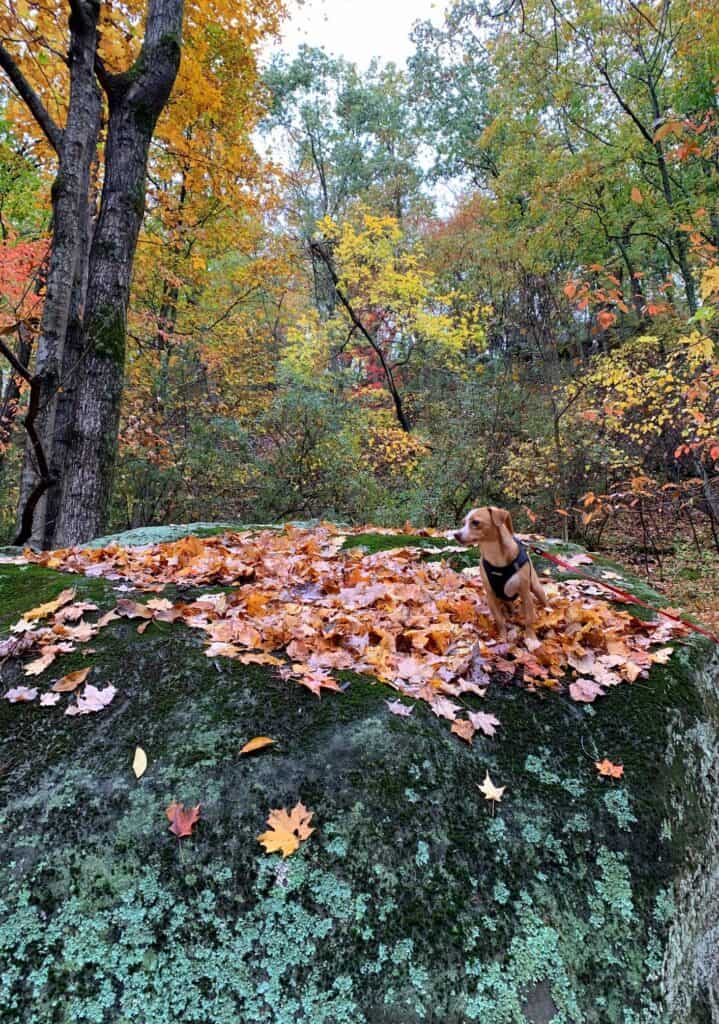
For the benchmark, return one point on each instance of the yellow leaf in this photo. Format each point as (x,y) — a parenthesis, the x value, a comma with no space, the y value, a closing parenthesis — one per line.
(139,764)
(709,285)
(256,744)
(637,196)
(287,830)
(43,610)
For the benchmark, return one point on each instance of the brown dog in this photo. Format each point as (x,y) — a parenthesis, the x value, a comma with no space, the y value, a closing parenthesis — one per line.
(506,569)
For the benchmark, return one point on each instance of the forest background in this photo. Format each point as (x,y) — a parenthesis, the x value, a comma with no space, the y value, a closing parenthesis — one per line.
(383,294)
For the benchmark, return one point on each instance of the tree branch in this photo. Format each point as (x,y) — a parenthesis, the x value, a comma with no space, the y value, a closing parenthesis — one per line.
(46,479)
(163,28)
(32,101)
(389,377)
(604,72)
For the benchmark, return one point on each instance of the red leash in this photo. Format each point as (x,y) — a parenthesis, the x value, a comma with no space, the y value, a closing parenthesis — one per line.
(623,594)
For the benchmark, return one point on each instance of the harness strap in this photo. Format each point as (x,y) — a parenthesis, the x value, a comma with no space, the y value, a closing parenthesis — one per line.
(498,575)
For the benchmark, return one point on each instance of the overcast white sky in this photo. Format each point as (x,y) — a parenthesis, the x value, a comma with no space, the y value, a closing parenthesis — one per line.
(359,29)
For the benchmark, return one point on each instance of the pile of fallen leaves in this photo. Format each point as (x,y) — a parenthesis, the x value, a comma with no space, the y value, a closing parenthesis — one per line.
(302,604)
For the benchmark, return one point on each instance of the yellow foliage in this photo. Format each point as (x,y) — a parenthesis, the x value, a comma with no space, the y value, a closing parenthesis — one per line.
(709,285)
(396,293)
(389,450)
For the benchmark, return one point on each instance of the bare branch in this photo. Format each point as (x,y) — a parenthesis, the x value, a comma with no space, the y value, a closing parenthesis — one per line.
(37,108)
(319,248)
(20,370)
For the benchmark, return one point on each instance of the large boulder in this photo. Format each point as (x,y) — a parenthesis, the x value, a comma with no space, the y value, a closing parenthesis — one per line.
(577,898)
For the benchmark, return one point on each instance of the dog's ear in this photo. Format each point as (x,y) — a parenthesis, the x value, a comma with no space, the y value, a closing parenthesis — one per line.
(505,519)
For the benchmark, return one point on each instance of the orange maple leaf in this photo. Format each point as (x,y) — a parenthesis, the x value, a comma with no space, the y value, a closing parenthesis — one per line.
(606,767)
(287,829)
(181,820)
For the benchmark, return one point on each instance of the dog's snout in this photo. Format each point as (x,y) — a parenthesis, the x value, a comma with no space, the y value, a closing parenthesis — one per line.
(457,534)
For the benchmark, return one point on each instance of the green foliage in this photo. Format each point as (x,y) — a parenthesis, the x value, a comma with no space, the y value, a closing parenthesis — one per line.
(307,457)
(22,210)
(352,135)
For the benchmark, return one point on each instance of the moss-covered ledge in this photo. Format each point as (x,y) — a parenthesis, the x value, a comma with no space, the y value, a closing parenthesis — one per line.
(579,900)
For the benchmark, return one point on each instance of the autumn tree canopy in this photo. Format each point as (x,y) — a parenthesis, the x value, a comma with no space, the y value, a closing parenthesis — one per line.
(388,291)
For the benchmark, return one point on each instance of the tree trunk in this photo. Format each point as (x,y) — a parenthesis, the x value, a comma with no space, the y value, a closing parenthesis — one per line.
(76,150)
(72,366)
(136,99)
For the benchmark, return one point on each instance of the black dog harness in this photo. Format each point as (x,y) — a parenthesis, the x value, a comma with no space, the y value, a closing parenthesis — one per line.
(498,575)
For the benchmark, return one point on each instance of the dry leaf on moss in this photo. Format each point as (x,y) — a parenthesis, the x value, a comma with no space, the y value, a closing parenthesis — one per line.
(606,767)
(287,830)
(71,681)
(489,790)
(182,821)
(256,744)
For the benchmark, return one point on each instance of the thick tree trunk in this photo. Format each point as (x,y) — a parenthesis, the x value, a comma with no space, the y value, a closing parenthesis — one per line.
(72,370)
(136,99)
(76,150)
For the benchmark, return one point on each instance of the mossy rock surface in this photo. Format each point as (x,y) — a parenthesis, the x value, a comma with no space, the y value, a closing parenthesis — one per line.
(579,899)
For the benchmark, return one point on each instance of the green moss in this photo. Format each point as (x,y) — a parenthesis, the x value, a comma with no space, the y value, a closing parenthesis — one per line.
(373,542)
(413,900)
(23,587)
(106,329)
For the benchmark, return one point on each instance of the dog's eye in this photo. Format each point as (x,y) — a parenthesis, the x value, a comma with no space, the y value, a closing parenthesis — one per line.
(474,522)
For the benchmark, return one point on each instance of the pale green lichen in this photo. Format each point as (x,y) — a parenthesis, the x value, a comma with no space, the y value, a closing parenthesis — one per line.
(617,802)
(413,900)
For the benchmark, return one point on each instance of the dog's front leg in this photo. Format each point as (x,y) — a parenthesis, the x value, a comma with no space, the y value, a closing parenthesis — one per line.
(529,613)
(537,589)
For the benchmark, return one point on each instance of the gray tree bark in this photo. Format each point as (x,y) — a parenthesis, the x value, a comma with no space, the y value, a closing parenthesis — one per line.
(81,350)
(136,99)
(75,145)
